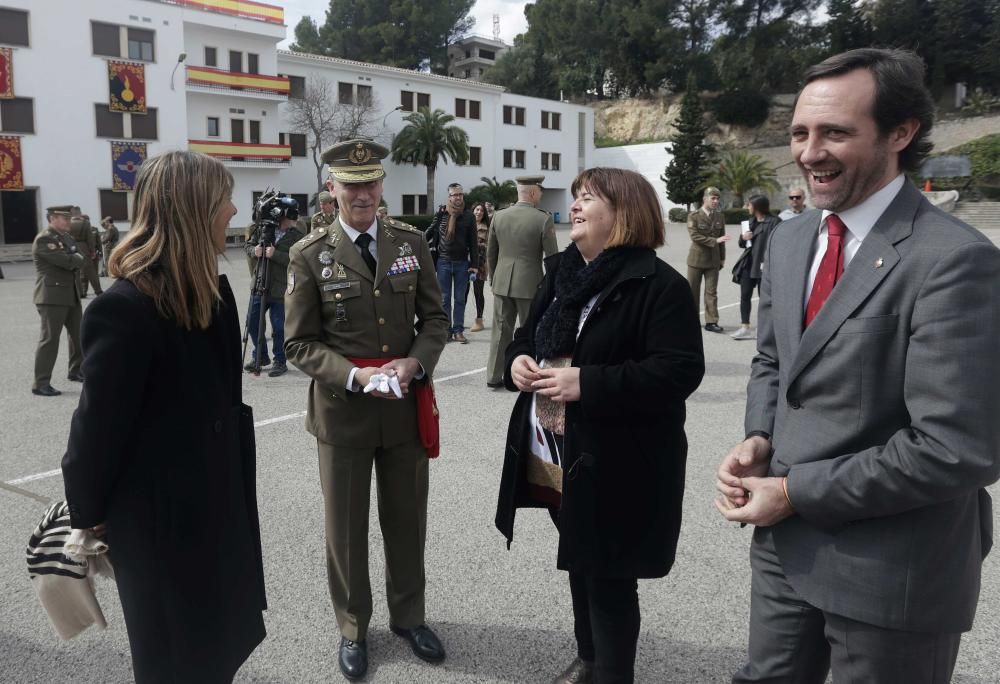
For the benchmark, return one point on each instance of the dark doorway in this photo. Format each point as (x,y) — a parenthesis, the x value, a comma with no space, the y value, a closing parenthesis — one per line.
(18,216)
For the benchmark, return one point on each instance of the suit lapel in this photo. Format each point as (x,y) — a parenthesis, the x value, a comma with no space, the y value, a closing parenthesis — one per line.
(798,274)
(345,251)
(874,260)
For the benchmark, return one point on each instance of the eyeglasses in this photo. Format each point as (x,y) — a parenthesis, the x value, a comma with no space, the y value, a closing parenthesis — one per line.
(795,197)
(457,194)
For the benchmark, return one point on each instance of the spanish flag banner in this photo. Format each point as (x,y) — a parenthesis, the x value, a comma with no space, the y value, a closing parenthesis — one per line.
(126,158)
(127,87)
(11,176)
(6,73)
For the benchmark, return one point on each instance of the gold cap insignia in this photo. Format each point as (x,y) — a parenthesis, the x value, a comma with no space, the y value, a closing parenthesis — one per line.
(360,154)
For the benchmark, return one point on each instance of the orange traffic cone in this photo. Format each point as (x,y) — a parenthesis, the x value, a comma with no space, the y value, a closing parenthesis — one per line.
(927,185)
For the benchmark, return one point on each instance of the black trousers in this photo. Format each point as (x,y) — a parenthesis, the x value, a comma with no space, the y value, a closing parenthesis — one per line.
(606,623)
(477,288)
(747,285)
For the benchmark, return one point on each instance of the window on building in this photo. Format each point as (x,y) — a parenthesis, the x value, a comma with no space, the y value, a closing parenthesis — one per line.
(364,94)
(468,73)
(297,141)
(474,109)
(406,100)
(254,132)
(550,161)
(487,54)
(281,138)
(513,115)
(213,127)
(555,161)
(508,159)
(296,87)
(140,44)
(345,93)
(423,100)
(475,156)
(468,53)
(109,124)
(236,61)
(106,39)
(13,27)
(211,57)
(518,116)
(552,120)
(414,204)
(460,107)
(253,63)
(303,201)
(17,115)
(236,129)
(145,127)
(114,204)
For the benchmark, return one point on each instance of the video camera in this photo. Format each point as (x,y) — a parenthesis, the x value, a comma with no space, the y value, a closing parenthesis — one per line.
(271,208)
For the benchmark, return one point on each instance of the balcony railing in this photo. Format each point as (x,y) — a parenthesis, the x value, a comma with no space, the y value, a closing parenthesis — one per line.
(247,9)
(234,83)
(248,155)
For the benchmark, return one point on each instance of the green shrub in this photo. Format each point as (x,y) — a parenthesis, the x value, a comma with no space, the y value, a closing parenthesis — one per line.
(734,216)
(417,221)
(741,108)
(677,215)
(984,153)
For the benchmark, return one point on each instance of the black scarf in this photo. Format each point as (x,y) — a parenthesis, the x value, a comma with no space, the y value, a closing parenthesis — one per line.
(576,282)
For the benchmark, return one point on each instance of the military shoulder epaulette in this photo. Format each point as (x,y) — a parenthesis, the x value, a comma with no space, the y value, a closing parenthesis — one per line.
(396,223)
(311,237)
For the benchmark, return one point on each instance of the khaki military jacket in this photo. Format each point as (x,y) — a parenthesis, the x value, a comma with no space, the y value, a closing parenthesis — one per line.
(335,309)
(79,230)
(57,262)
(520,237)
(320,220)
(705,252)
(110,238)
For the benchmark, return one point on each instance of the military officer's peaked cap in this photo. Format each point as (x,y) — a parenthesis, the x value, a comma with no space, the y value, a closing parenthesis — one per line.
(530,180)
(325,197)
(712,191)
(356,161)
(60,210)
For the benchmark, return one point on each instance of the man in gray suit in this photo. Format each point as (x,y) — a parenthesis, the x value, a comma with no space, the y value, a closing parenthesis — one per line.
(872,407)
(521,236)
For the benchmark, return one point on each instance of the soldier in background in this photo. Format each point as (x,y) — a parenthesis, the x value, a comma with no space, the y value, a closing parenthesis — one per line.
(327,213)
(84,238)
(522,236)
(383,212)
(108,242)
(707,228)
(95,234)
(57,298)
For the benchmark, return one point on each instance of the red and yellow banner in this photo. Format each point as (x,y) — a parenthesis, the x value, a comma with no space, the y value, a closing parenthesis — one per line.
(6,73)
(11,175)
(127,87)
(240,8)
(246,150)
(207,76)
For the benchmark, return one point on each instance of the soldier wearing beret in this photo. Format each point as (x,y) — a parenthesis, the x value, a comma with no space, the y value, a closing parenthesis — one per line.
(362,300)
(327,213)
(521,236)
(87,245)
(57,298)
(707,229)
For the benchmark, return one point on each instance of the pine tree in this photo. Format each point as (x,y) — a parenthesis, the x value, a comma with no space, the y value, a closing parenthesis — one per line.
(686,173)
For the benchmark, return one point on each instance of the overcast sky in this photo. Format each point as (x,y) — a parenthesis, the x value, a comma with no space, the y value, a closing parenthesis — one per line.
(511,14)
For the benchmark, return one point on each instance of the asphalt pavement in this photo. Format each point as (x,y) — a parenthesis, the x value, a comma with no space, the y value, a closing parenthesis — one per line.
(504,616)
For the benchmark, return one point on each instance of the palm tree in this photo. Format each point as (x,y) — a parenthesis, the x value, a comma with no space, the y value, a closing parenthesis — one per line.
(426,139)
(740,172)
(499,194)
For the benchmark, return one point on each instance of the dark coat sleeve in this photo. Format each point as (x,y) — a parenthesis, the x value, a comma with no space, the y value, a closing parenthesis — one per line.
(118,350)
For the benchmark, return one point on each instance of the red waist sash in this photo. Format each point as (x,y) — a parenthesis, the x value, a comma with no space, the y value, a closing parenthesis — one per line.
(428,421)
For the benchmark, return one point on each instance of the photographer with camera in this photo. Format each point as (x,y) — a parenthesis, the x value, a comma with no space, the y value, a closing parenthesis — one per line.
(267,249)
(453,234)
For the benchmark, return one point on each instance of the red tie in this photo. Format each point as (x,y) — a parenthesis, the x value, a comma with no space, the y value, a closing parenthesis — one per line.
(830,268)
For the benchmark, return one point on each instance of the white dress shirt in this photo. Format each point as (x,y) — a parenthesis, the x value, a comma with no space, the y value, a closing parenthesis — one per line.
(859,220)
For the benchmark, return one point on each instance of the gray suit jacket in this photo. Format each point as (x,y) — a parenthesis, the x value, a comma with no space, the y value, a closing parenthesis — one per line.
(885,416)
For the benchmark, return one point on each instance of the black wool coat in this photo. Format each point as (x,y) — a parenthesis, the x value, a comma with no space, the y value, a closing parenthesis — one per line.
(640,356)
(175,482)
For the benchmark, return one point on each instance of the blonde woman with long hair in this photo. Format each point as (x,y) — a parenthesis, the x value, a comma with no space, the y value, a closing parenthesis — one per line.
(173,487)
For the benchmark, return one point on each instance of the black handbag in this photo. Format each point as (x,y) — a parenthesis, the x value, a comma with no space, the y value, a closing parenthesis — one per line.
(744,263)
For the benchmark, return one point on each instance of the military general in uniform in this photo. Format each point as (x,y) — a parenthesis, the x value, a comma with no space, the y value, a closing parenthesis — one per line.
(57,298)
(327,213)
(362,300)
(84,237)
(707,229)
(521,236)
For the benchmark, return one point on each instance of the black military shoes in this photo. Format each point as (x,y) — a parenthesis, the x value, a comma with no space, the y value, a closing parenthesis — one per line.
(75,377)
(423,641)
(46,391)
(353,658)
(278,369)
(713,327)
(578,672)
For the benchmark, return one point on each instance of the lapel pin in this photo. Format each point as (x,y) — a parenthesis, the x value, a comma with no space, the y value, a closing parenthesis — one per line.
(879,262)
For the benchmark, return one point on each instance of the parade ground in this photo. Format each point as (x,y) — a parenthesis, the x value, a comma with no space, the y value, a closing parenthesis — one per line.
(503,615)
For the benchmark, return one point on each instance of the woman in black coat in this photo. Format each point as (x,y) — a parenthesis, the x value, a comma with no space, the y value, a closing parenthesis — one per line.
(173,486)
(746,271)
(611,350)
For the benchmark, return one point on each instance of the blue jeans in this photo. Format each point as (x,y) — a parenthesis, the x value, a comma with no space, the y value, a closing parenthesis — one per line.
(456,272)
(275,309)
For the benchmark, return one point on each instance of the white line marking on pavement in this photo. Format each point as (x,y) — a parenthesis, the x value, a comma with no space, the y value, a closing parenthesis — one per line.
(260,423)
(729,306)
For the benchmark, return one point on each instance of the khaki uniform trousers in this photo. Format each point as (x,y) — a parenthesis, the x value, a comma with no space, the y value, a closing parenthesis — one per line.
(505,311)
(711,276)
(54,319)
(401,476)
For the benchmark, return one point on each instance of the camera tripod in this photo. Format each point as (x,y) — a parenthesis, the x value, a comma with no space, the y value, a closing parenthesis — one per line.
(259,292)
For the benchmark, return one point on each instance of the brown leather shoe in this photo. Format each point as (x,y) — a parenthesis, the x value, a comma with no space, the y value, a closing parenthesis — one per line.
(460,338)
(477,326)
(578,672)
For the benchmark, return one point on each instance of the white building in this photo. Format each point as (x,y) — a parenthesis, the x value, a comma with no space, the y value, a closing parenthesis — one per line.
(227,99)
(471,56)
